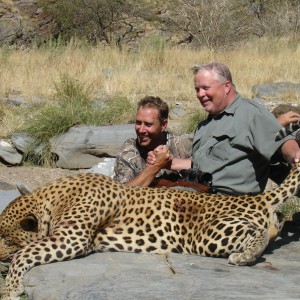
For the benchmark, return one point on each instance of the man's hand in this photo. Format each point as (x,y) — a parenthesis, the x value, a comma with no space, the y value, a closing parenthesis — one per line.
(151,158)
(291,152)
(160,157)
(163,157)
(288,118)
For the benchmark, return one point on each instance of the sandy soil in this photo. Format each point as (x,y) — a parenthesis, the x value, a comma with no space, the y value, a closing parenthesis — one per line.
(32,177)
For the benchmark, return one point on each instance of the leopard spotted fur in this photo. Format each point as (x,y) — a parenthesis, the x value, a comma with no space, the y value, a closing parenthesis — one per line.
(91,212)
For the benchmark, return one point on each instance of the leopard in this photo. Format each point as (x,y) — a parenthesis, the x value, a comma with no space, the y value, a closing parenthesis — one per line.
(85,213)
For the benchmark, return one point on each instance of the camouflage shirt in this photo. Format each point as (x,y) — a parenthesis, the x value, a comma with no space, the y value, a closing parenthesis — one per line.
(131,159)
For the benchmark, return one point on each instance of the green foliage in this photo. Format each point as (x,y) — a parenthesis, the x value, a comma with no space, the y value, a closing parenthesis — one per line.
(54,43)
(94,20)
(119,111)
(73,106)
(193,120)
(215,24)
(289,208)
(70,91)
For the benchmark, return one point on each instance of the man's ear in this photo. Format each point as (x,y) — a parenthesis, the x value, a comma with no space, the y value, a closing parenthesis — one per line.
(227,87)
(164,124)
(23,190)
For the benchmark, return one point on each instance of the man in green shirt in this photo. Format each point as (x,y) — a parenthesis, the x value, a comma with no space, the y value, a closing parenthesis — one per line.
(237,141)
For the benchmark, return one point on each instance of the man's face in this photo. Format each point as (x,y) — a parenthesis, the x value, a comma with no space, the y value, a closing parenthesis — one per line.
(211,93)
(148,128)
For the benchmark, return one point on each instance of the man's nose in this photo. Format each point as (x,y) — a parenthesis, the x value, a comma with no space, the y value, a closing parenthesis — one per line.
(200,93)
(142,128)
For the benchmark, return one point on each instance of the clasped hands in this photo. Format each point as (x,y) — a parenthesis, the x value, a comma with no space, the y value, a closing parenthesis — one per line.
(160,157)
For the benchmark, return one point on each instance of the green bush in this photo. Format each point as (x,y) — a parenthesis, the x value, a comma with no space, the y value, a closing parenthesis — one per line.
(73,106)
(289,208)
(193,120)
(119,111)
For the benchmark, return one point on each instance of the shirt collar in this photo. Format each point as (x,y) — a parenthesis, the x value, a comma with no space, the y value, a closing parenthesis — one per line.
(230,109)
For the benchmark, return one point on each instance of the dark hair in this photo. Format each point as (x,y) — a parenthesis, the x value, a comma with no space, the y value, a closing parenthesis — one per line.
(155,102)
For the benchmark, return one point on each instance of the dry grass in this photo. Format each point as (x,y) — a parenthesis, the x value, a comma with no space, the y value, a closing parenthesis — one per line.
(123,77)
(163,71)
(156,70)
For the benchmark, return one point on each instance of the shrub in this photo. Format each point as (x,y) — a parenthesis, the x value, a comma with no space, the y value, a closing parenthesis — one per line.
(120,110)
(289,208)
(193,120)
(74,106)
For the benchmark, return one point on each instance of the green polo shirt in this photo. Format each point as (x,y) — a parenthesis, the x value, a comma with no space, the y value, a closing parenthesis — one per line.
(236,147)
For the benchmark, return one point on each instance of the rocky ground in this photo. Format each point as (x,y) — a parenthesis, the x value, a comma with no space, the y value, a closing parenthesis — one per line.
(31,176)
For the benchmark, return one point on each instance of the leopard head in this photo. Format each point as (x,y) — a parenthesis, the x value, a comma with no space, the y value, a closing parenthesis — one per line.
(18,227)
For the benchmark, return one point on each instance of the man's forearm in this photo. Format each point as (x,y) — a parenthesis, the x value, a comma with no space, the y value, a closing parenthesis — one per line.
(180,164)
(145,177)
(290,150)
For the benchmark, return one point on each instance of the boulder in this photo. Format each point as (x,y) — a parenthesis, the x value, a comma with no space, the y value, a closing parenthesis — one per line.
(4,186)
(276,91)
(7,196)
(81,147)
(23,21)
(173,276)
(8,154)
(10,27)
(21,141)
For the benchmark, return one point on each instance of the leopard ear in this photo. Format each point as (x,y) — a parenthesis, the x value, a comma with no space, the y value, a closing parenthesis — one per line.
(29,223)
(23,190)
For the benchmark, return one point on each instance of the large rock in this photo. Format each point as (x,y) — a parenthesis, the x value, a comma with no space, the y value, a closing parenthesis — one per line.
(10,27)
(4,186)
(8,154)
(21,141)
(128,276)
(7,196)
(22,21)
(277,91)
(82,146)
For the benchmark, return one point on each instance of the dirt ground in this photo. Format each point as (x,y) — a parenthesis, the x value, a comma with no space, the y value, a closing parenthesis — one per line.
(32,177)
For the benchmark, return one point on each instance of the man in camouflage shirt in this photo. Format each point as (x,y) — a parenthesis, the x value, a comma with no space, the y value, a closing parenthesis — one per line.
(151,122)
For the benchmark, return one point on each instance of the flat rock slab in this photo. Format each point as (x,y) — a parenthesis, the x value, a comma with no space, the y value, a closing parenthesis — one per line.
(128,276)
(6,197)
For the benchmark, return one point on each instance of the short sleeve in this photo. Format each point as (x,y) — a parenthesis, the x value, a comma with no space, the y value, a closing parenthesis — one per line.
(128,162)
(264,128)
